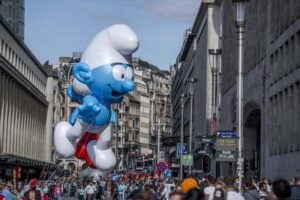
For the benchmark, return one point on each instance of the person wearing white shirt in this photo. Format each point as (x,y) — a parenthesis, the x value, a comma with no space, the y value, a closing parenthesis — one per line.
(231,193)
(90,191)
(210,189)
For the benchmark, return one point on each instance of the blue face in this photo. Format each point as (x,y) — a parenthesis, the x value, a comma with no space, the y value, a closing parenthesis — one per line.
(112,82)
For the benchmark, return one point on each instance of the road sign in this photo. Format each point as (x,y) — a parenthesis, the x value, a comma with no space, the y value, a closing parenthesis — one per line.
(184,150)
(229,156)
(205,139)
(227,134)
(229,144)
(187,160)
(168,173)
(161,167)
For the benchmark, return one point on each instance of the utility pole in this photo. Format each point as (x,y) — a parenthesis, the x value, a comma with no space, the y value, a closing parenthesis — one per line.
(182,96)
(122,145)
(240,9)
(158,142)
(158,138)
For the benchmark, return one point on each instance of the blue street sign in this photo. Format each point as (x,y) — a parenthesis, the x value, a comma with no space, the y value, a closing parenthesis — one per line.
(227,134)
(184,150)
(168,173)
(115,177)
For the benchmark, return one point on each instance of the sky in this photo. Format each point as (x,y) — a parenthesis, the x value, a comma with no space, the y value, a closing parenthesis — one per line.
(55,28)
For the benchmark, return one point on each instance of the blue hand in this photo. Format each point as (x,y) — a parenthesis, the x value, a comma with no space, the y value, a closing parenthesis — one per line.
(113,117)
(74,116)
(89,109)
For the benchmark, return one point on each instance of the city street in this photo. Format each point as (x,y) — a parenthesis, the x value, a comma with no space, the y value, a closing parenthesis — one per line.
(158,100)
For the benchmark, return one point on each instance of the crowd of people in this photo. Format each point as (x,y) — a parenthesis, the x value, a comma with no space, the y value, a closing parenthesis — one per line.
(153,188)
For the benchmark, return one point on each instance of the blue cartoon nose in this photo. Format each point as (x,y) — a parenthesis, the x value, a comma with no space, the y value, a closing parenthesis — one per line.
(128,86)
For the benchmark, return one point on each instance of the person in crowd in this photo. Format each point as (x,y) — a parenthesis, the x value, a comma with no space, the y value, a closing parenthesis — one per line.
(250,192)
(45,191)
(90,190)
(81,192)
(219,194)
(51,187)
(231,193)
(188,184)
(114,191)
(4,191)
(169,186)
(14,194)
(267,182)
(195,194)
(149,191)
(2,197)
(280,190)
(263,191)
(33,193)
(58,191)
(210,189)
(296,188)
(121,190)
(176,195)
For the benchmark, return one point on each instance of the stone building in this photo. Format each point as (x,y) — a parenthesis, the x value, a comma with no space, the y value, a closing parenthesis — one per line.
(24,137)
(138,117)
(13,11)
(271,86)
(193,63)
(64,71)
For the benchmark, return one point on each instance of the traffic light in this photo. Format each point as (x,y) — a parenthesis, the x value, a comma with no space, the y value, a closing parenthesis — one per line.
(206,164)
(19,172)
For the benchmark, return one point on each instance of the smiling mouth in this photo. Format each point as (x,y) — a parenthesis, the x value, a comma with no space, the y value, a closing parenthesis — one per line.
(116,93)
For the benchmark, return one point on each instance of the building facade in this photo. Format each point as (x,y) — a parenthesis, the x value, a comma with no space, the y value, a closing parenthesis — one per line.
(271,86)
(193,63)
(23,109)
(13,11)
(139,116)
(64,73)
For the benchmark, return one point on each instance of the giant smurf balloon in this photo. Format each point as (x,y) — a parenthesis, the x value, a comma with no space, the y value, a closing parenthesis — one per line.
(103,76)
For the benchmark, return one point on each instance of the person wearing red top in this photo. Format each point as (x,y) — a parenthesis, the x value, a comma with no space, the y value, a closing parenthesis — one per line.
(58,191)
(2,197)
(33,193)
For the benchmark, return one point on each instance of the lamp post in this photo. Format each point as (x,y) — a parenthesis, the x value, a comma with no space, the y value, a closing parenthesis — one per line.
(158,139)
(192,89)
(239,8)
(121,123)
(182,96)
(214,55)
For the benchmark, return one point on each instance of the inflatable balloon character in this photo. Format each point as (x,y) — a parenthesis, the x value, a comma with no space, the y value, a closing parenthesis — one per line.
(103,76)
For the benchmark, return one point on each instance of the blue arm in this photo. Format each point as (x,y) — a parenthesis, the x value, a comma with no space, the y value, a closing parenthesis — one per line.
(74,116)
(113,117)
(89,109)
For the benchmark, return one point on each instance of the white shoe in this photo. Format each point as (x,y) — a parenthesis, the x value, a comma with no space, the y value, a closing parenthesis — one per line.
(63,146)
(104,160)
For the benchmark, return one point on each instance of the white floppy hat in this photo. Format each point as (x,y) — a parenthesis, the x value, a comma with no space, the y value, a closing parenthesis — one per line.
(114,44)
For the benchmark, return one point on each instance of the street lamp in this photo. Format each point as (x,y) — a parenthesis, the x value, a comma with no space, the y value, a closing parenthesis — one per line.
(214,57)
(158,139)
(239,7)
(121,123)
(182,96)
(192,90)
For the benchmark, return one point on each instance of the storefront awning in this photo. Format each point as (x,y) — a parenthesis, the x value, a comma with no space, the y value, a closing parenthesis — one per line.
(18,160)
